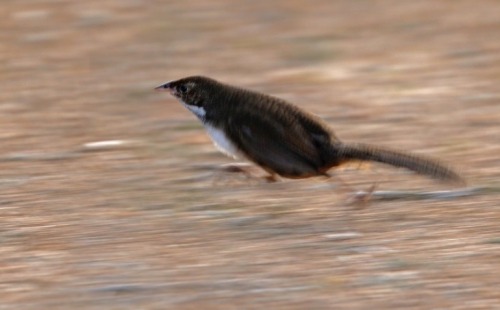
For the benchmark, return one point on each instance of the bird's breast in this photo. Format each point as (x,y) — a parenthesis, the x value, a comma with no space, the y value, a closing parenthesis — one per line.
(222,142)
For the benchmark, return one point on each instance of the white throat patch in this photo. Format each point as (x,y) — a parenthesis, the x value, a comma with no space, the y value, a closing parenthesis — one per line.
(198,111)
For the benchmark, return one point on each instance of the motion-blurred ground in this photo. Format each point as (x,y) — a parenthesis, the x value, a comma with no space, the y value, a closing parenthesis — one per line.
(144,225)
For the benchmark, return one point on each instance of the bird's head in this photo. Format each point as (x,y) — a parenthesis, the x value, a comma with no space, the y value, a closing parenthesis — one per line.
(194,92)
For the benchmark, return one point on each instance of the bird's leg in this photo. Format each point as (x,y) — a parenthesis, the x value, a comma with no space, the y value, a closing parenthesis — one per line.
(243,168)
(237,168)
(341,183)
(240,168)
(356,196)
(246,170)
(271,178)
(363,197)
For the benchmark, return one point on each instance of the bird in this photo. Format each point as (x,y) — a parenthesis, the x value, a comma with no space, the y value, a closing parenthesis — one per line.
(282,138)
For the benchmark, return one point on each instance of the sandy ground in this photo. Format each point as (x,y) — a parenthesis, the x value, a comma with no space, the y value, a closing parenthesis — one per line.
(149,224)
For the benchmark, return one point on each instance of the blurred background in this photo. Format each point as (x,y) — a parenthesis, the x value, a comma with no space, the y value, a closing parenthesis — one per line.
(110,196)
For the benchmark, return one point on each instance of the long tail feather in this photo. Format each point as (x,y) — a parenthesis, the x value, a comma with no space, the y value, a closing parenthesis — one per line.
(416,163)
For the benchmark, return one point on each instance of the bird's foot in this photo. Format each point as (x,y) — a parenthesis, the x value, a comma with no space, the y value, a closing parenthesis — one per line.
(362,198)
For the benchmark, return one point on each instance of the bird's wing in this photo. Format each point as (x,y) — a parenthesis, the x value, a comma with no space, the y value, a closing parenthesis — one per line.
(279,144)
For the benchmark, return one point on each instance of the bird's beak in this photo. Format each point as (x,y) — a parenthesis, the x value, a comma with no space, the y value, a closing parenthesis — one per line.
(164,87)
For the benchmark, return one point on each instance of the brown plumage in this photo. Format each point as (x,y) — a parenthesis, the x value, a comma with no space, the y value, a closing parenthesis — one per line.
(280,137)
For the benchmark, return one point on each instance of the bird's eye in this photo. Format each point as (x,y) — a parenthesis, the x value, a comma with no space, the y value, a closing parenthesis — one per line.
(183,89)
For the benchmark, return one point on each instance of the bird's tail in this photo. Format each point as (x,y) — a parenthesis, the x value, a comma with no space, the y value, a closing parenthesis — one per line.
(416,163)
